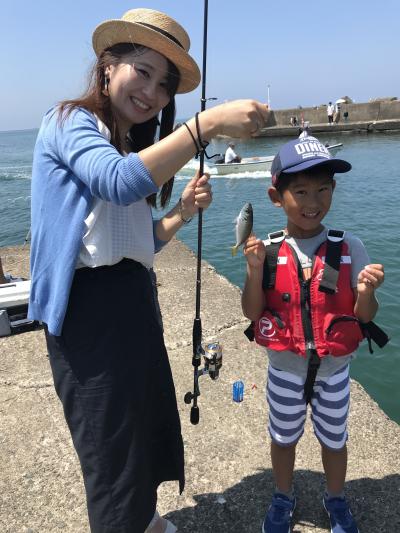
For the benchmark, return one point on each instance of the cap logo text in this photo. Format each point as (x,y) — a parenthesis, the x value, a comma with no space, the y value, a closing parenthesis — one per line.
(312,149)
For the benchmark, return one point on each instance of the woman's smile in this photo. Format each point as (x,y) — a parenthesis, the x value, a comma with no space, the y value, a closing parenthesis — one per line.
(140,104)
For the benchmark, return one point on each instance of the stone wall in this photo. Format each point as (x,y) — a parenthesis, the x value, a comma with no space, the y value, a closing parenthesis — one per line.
(371,111)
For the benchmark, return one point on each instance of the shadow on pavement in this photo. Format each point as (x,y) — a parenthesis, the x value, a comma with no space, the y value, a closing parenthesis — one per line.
(374,503)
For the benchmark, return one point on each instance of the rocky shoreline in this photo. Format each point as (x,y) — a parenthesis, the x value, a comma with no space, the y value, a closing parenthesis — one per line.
(229,478)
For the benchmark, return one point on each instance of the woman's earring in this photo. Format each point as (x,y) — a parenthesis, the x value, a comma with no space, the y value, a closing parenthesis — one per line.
(106,83)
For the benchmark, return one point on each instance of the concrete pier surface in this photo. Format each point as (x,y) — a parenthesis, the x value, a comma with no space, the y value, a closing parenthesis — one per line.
(228,470)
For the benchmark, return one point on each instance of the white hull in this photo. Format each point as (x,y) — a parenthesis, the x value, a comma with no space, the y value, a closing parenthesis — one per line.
(248,164)
(14,294)
(14,297)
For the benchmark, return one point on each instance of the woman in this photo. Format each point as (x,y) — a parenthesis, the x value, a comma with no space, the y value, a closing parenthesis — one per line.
(96,172)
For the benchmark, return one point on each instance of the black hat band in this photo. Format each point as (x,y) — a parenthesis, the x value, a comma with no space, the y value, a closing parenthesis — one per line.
(163,32)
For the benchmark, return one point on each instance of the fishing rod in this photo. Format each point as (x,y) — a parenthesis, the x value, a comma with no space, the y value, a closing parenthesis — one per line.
(213,353)
(27,237)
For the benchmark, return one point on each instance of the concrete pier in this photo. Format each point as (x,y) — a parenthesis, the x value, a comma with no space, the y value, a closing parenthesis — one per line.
(360,127)
(370,117)
(228,470)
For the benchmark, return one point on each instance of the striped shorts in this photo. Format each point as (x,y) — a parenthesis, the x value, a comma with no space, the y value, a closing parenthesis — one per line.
(288,409)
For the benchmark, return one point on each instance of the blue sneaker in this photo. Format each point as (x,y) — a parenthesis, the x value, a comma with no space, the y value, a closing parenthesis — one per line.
(340,516)
(279,514)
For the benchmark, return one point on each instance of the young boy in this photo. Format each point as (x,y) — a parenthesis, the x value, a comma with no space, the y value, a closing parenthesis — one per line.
(307,290)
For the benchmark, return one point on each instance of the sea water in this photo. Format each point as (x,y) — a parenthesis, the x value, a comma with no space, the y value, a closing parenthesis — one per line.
(366,202)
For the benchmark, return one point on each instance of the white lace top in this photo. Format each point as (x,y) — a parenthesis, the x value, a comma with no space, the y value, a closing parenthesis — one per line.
(117,231)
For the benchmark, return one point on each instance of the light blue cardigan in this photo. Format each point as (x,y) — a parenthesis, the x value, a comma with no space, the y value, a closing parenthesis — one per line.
(72,164)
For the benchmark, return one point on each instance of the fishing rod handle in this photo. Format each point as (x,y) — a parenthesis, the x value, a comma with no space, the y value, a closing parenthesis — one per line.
(194,415)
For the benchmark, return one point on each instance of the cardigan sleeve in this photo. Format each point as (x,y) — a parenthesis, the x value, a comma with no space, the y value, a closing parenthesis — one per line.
(77,143)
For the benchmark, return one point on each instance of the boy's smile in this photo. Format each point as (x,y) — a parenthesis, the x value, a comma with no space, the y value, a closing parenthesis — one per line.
(306,201)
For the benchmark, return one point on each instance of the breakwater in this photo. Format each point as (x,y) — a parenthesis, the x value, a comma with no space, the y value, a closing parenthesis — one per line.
(377,116)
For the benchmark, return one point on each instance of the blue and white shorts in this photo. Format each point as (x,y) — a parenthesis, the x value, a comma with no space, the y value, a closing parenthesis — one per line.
(288,409)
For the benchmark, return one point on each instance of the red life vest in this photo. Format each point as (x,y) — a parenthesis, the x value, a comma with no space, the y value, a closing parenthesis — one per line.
(317,314)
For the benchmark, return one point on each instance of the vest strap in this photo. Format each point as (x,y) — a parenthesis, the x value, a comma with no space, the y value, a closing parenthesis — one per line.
(312,369)
(373,332)
(249,332)
(330,274)
(271,259)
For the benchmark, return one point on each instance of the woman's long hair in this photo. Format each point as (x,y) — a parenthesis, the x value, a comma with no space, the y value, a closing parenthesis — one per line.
(140,136)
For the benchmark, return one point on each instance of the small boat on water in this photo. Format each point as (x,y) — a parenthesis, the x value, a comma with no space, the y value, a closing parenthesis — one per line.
(333,148)
(247,164)
(251,164)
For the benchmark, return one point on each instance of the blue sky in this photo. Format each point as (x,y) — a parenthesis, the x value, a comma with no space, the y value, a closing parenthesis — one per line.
(309,52)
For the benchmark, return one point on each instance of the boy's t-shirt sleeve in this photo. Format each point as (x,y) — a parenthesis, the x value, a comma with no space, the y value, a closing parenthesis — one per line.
(359,256)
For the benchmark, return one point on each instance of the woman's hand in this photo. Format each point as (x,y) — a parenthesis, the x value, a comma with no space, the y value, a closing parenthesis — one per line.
(196,194)
(239,118)
(254,250)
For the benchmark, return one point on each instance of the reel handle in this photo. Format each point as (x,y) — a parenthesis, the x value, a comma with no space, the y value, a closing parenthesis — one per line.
(194,415)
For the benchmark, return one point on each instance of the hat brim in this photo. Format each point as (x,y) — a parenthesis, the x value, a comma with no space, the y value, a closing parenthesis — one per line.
(114,32)
(336,165)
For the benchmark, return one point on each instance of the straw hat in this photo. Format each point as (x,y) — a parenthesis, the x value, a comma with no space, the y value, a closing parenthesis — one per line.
(157,31)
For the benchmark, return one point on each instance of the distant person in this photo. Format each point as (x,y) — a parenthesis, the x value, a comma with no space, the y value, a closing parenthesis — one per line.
(294,121)
(310,318)
(330,110)
(336,114)
(101,162)
(230,154)
(346,115)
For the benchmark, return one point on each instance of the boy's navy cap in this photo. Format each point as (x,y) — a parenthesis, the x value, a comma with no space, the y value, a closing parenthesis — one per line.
(302,154)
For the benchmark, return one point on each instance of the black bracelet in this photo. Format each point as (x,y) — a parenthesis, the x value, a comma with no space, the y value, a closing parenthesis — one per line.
(184,220)
(202,143)
(194,140)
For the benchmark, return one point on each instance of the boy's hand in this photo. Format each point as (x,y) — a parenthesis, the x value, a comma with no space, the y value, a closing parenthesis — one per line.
(254,250)
(370,278)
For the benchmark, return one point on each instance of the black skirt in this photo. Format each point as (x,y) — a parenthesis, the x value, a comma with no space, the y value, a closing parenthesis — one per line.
(112,375)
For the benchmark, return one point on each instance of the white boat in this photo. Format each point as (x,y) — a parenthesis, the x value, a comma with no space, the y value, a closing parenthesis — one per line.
(14,294)
(14,298)
(247,164)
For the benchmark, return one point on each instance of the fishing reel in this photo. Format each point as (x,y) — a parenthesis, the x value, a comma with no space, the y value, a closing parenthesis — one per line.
(212,359)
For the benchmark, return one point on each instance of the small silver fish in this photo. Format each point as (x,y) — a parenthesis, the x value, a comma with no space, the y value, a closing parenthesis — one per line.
(244,226)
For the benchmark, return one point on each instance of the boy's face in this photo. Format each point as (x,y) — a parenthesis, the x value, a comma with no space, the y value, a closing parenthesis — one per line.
(305,201)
